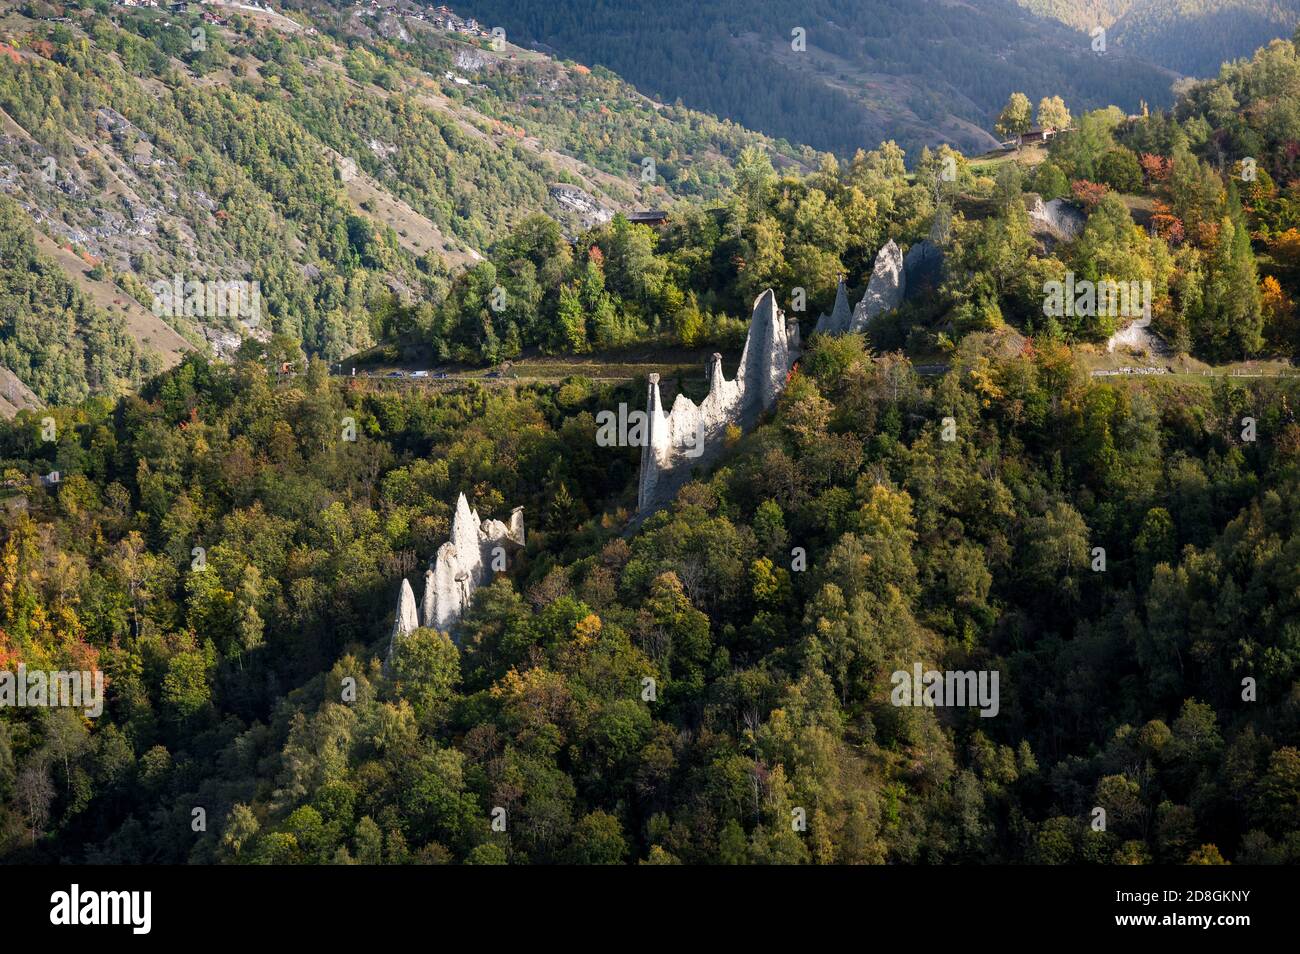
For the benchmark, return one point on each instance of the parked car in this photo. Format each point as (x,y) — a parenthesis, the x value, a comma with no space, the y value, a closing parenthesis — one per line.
(419,374)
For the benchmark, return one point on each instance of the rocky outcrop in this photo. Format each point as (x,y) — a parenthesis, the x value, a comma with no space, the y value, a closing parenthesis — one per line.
(460,566)
(14,395)
(589,211)
(837,322)
(691,435)
(884,290)
(1139,338)
(407,621)
(470,59)
(1056,220)
(890,277)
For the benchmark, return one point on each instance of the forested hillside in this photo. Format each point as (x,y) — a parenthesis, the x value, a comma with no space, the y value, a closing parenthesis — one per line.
(1191,36)
(227,546)
(1200,203)
(345,169)
(251,687)
(55,340)
(920,72)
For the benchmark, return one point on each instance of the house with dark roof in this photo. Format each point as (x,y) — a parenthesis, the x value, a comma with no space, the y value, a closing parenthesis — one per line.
(650,217)
(1037,134)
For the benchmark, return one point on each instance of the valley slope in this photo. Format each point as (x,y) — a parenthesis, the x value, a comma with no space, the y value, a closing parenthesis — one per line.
(345,161)
(920,72)
(1191,36)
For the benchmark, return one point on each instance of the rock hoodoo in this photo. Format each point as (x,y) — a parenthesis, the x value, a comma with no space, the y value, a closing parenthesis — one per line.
(407,621)
(691,435)
(885,289)
(460,566)
(837,322)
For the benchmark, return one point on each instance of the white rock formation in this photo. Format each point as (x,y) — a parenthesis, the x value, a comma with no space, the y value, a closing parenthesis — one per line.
(576,200)
(837,322)
(1057,220)
(690,434)
(765,362)
(468,59)
(460,566)
(1139,338)
(886,288)
(407,620)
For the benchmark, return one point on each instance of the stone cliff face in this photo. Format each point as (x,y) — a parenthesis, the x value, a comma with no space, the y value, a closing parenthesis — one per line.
(691,435)
(460,566)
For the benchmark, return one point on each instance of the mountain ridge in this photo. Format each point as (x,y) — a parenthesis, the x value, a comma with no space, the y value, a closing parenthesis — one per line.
(944,62)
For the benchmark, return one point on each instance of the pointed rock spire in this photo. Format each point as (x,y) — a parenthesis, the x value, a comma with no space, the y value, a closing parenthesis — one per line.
(771,346)
(447,606)
(655,442)
(716,380)
(837,322)
(428,605)
(690,435)
(465,536)
(765,360)
(884,290)
(407,620)
(458,569)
